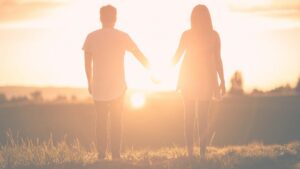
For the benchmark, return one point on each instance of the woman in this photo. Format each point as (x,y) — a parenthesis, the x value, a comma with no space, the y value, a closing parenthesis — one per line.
(198,80)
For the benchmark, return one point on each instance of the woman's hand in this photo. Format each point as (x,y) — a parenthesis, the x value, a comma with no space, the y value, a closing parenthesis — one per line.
(153,74)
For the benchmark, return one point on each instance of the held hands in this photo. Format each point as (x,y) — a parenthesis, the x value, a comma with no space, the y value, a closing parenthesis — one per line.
(161,72)
(155,76)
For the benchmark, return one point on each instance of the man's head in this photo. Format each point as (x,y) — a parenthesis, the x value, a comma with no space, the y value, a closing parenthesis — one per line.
(108,16)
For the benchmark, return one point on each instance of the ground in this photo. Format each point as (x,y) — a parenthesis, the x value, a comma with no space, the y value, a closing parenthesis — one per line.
(28,154)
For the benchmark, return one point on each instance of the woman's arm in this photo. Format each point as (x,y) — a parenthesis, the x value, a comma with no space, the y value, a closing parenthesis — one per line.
(179,51)
(219,63)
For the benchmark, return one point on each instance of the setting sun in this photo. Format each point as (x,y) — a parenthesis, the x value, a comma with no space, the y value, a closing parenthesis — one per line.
(137,100)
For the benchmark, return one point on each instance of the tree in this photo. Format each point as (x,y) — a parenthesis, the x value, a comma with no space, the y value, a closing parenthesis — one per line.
(61,98)
(3,98)
(297,88)
(282,90)
(237,83)
(37,96)
(19,99)
(74,98)
(257,92)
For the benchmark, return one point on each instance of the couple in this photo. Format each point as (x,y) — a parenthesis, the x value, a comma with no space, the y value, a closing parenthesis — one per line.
(104,51)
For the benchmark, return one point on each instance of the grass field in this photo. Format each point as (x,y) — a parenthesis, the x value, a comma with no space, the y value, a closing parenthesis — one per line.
(272,123)
(33,154)
(240,120)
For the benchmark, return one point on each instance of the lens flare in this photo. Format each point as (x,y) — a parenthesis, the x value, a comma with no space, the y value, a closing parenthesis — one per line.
(137,100)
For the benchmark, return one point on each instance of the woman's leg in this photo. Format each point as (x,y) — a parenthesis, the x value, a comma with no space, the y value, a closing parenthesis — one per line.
(189,119)
(203,108)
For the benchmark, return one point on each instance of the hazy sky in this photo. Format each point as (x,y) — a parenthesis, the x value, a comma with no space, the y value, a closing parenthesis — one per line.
(41,40)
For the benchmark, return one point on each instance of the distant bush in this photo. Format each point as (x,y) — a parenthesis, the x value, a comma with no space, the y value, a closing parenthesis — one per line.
(282,90)
(19,99)
(257,92)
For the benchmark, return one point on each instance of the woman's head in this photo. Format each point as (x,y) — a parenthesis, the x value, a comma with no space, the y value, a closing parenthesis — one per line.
(201,20)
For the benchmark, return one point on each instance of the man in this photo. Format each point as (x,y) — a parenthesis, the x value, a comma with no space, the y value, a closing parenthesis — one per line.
(104,51)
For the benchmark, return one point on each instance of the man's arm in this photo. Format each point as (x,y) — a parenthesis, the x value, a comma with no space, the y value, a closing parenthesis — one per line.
(219,63)
(132,47)
(88,70)
(141,58)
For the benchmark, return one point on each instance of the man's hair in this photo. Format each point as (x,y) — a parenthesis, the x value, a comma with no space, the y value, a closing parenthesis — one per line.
(108,14)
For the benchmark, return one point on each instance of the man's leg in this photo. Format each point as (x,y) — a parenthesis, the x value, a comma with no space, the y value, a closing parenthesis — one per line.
(116,110)
(189,119)
(203,110)
(101,128)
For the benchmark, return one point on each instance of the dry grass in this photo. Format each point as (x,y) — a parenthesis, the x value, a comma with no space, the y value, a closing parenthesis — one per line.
(33,154)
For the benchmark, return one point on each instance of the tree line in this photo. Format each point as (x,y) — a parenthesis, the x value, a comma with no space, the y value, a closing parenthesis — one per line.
(236,89)
(36,97)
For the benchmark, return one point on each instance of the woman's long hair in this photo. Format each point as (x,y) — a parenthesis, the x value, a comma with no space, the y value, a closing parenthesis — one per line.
(201,23)
(203,32)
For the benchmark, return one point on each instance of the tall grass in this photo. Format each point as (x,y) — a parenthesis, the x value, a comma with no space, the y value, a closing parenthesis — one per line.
(22,153)
(25,153)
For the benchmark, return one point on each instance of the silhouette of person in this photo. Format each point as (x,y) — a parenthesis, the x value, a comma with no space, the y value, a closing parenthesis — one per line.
(104,51)
(198,78)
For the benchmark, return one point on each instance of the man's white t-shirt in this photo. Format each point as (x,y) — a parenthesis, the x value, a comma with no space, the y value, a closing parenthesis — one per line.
(107,47)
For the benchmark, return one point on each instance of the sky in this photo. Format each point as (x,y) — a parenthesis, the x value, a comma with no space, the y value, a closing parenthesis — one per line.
(41,40)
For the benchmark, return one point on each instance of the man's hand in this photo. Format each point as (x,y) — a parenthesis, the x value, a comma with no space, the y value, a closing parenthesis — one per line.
(222,88)
(220,91)
(90,87)
(155,78)
(160,72)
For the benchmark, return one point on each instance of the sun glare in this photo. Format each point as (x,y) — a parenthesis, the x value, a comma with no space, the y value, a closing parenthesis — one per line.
(137,100)
(157,34)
